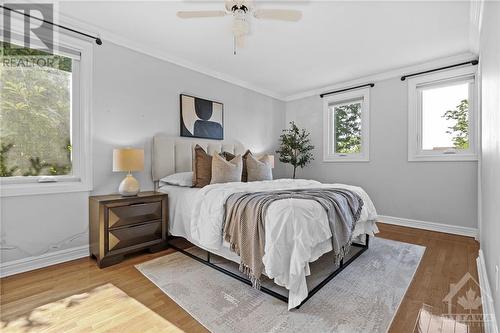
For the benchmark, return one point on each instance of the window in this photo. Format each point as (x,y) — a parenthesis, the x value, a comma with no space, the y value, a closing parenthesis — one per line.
(442,116)
(44,118)
(346,126)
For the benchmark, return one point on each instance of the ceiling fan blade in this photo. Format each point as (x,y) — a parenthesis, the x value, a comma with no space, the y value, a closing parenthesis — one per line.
(201,13)
(278,14)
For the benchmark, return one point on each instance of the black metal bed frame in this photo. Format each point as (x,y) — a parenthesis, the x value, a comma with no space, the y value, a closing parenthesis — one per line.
(342,266)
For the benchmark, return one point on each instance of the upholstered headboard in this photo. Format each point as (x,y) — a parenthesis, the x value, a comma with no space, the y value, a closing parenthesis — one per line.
(175,154)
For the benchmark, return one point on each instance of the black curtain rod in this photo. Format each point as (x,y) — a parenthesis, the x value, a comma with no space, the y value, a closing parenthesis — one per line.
(472,62)
(346,89)
(98,41)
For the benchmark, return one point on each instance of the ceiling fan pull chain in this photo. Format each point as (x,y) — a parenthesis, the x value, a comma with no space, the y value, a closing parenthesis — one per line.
(234,45)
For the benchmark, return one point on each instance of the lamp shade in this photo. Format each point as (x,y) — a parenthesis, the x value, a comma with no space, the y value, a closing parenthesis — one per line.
(128,159)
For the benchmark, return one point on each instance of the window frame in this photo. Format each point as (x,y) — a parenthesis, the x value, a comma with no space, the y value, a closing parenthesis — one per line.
(81,178)
(329,154)
(415,115)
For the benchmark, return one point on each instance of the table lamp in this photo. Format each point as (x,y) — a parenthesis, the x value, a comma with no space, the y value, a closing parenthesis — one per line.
(128,160)
(270,158)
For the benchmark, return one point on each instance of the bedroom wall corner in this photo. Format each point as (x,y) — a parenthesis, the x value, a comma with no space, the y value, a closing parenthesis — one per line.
(434,192)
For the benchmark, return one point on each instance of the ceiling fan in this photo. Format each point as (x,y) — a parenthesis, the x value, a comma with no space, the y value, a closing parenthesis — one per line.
(241,10)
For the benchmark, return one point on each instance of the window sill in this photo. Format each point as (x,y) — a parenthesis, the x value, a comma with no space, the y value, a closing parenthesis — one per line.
(443,158)
(345,159)
(13,190)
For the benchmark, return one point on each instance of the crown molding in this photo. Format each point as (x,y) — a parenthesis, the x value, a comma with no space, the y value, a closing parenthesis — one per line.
(154,52)
(386,75)
(106,35)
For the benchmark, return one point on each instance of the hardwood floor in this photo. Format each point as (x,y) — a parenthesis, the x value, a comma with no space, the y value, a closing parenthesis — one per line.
(446,260)
(79,297)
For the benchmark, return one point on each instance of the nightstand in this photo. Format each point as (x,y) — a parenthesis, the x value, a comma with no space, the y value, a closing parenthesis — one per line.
(122,225)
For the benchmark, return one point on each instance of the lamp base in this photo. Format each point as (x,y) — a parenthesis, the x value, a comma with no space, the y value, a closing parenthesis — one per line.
(129,186)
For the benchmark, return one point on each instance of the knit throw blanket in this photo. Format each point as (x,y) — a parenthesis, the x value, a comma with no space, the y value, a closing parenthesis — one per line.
(244,223)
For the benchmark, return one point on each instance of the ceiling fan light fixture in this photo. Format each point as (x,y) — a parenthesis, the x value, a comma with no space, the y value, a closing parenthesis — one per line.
(240,10)
(232,5)
(240,27)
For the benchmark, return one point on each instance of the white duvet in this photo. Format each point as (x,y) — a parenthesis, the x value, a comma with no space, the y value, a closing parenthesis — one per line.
(297,230)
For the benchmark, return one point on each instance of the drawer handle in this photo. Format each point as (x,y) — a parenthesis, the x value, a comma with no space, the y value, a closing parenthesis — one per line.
(139,204)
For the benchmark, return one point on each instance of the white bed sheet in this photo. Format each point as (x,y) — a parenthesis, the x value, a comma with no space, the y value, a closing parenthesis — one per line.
(181,204)
(286,257)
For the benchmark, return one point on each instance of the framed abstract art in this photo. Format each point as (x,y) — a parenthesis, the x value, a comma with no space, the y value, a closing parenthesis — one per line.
(201,118)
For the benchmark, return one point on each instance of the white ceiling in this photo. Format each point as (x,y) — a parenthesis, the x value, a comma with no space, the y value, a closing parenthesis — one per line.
(334,41)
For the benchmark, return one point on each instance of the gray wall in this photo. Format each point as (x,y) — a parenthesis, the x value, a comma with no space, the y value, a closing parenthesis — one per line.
(135,96)
(443,192)
(490,164)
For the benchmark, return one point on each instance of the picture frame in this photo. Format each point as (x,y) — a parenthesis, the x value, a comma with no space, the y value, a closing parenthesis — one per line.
(201,118)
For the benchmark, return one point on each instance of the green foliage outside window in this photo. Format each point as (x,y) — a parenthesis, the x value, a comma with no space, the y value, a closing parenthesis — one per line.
(35,112)
(348,128)
(460,130)
(6,171)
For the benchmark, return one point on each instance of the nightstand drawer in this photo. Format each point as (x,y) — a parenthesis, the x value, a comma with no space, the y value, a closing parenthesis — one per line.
(122,225)
(134,213)
(126,237)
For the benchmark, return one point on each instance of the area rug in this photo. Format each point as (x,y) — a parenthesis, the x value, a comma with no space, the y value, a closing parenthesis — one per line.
(364,297)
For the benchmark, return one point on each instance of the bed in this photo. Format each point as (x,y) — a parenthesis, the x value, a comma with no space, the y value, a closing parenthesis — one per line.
(197,214)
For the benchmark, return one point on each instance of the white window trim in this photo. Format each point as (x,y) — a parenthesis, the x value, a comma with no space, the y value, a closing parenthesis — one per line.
(328,127)
(415,153)
(81,181)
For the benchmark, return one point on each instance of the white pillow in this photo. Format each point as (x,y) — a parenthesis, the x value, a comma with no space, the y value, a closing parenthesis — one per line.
(179,179)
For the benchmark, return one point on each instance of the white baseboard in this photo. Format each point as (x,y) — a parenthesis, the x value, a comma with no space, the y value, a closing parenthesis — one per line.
(490,326)
(48,259)
(52,258)
(432,226)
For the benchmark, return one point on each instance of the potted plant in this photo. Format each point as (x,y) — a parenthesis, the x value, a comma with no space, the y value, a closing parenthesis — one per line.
(295,147)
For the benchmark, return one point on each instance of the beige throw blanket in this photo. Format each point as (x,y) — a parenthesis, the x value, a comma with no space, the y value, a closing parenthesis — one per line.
(245,216)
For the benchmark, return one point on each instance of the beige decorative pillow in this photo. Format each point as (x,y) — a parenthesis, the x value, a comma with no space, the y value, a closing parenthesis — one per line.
(259,169)
(202,167)
(226,171)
